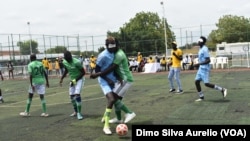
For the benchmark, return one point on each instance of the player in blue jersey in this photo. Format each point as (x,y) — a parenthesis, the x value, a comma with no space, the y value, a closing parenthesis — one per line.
(126,79)
(204,70)
(108,82)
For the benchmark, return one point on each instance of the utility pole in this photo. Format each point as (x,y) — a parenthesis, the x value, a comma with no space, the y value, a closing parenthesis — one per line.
(165,30)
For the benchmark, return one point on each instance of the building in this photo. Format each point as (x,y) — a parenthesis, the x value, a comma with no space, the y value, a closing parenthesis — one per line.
(230,49)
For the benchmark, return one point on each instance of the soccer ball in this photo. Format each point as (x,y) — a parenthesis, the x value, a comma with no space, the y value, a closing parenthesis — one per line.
(122,129)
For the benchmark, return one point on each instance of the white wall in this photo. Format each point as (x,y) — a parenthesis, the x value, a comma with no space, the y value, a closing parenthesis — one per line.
(232,48)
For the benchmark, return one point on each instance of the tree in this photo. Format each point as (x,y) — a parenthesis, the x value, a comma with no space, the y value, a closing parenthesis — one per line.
(57,49)
(144,33)
(231,29)
(101,49)
(60,49)
(25,47)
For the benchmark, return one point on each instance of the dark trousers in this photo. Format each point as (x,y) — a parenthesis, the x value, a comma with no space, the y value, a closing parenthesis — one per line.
(164,66)
(132,68)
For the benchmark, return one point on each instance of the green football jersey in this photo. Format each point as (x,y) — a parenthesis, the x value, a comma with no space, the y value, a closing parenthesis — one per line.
(123,70)
(74,68)
(36,69)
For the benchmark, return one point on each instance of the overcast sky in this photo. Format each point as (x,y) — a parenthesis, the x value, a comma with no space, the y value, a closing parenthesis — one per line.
(96,17)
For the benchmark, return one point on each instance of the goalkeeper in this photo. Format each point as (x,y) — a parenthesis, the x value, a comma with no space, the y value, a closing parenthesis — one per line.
(76,73)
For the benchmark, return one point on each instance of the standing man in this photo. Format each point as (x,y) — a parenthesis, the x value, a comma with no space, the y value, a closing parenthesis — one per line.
(169,63)
(1,97)
(139,57)
(76,72)
(92,63)
(175,69)
(125,76)
(81,59)
(86,64)
(37,84)
(163,63)
(185,62)
(191,67)
(10,69)
(50,70)
(61,66)
(57,67)
(108,82)
(46,64)
(204,70)
(141,66)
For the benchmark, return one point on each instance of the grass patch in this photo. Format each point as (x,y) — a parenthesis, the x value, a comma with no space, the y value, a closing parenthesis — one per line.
(148,97)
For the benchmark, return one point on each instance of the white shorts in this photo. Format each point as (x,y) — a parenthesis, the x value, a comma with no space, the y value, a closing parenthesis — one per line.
(77,88)
(39,88)
(121,89)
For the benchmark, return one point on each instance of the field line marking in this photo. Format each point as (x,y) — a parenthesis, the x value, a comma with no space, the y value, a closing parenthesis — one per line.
(12,104)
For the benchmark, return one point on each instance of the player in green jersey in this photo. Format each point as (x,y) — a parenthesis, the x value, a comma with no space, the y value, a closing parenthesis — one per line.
(38,78)
(124,75)
(76,73)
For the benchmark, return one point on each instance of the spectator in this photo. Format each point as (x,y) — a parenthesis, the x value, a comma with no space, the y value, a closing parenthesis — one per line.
(92,63)
(10,69)
(151,60)
(175,69)
(50,67)
(57,67)
(141,66)
(191,67)
(81,59)
(139,57)
(46,64)
(185,62)
(86,63)
(61,66)
(169,63)
(133,65)
(163,63)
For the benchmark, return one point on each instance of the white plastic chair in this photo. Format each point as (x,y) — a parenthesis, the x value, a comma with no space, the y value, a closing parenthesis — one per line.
(213,62)
(221,61)
(196,61)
